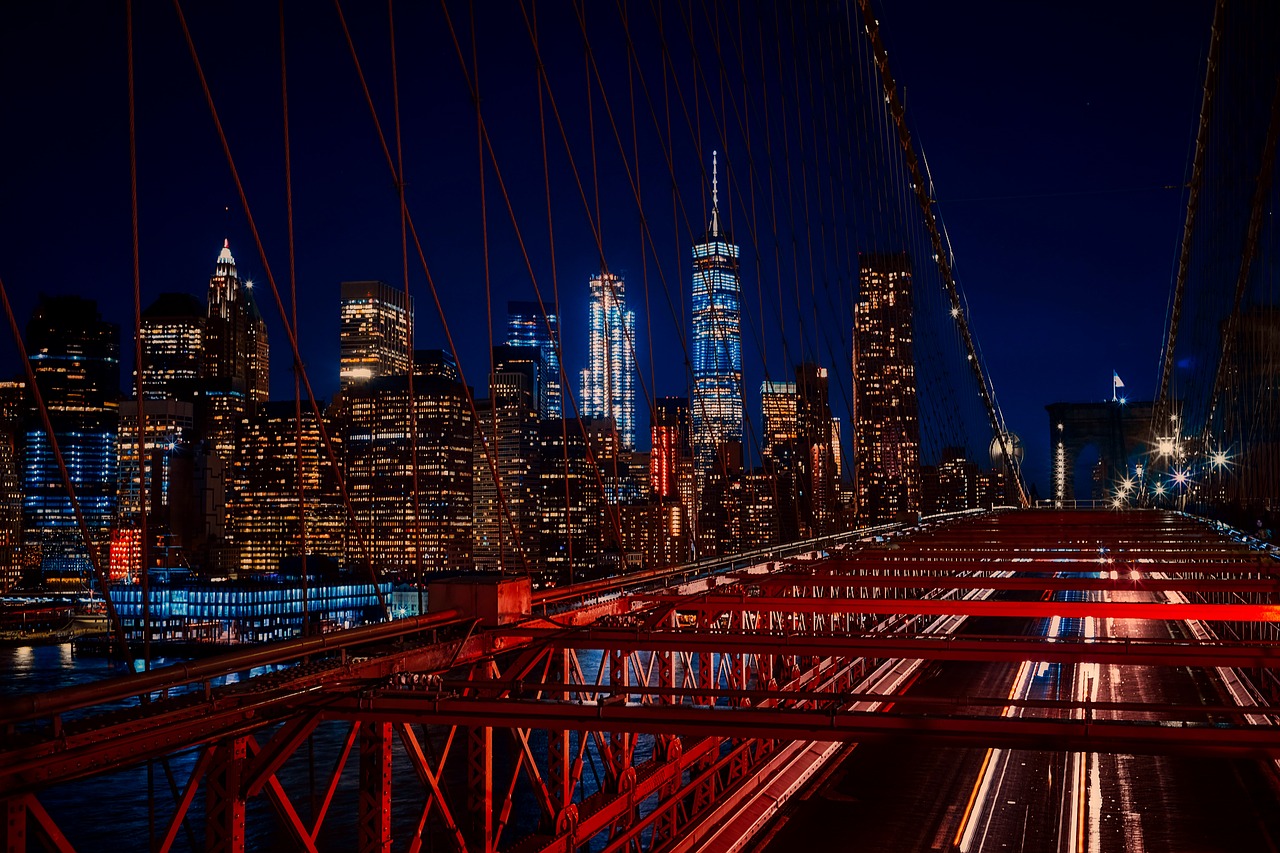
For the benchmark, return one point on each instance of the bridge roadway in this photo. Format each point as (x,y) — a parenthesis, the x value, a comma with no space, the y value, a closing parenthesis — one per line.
(686,686)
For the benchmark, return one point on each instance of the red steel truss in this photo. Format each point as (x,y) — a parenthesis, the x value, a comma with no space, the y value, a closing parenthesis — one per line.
(634,713)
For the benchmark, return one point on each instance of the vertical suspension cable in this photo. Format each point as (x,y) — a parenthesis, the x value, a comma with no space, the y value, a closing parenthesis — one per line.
(297,368)
(419,569)
(143,551)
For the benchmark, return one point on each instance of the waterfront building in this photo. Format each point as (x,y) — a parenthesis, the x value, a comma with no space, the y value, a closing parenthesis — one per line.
(886,429)
(253,610)
(374,333)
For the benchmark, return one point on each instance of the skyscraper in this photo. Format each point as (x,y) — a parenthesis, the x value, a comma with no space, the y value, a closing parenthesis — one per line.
(263,511)
(609,380)
(816,481)
(380,471)
(167,424)
(76,359)
(172,340)
(505,522)
(236,358)
(527,326)
(886,433)
(717,339)
(778,406)
(376,320)
(669,433)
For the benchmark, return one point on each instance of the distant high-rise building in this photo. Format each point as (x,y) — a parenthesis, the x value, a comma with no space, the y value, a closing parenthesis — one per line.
(435,362)
(717,340)
(816,481)
(76,359)
(167,423)
(263,511)
(669,433)
(12,407)
(528,326)
(172,340)
(381,472)
(609,380)
(236,363)
(504,520)
(570,515)
(778,406)
(517,372)
(886,431)
(374,333)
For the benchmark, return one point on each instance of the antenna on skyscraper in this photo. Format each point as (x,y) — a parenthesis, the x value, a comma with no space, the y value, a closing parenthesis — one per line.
(715,193)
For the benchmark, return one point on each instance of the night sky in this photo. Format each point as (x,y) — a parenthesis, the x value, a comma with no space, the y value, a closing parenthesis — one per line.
(1058,140)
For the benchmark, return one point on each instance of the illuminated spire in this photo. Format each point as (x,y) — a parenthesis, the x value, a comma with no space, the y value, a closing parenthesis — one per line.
(715,198)
(224,257)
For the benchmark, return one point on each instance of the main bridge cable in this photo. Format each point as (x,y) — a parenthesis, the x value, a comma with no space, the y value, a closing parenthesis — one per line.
(275,290)
(1160,411)
(417,242)
(1258,208)
(935,236)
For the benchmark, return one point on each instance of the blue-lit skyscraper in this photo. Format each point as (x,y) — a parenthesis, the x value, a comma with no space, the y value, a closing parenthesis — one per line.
(76,359)
(528,327)
(609,380)
(717,339)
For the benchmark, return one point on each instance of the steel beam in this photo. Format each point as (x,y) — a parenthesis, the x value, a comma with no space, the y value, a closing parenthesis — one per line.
(725,603)
(1078,735)
(374,804)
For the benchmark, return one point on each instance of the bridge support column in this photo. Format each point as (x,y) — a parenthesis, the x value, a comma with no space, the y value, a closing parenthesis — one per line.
(375,788)
(15,825)
(225,797)
(480,783)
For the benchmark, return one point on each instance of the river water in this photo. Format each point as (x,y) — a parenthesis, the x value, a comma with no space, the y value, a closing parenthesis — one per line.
(122,810)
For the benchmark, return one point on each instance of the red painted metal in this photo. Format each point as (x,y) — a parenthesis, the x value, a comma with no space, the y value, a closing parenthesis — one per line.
(718,604)
(695,671)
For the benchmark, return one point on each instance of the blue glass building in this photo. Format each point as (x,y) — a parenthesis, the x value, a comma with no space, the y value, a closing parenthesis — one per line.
(527,326)
(717,340)
(76,359)
(609,380)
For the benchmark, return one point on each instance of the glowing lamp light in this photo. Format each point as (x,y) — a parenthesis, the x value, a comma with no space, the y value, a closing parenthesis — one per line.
(1135,575)
(1115,504)
(1123,400)
(1180,477)
(955,312)
(248,285)
(1165,447)
(1218,458)
(1159,488)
